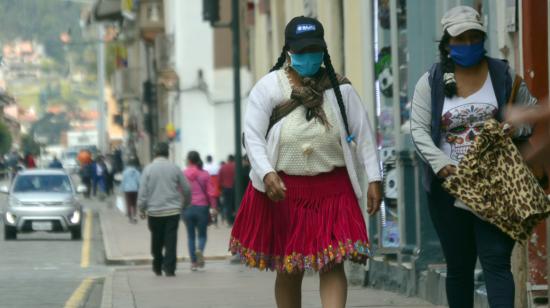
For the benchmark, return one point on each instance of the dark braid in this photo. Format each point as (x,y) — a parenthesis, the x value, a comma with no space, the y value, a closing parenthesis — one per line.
(281,60)
(447,66)
(336,87)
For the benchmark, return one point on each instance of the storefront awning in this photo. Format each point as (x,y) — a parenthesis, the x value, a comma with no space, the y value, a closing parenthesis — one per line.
(107,10)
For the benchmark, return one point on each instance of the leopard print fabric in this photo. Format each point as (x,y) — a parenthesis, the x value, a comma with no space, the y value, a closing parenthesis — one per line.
(493,180)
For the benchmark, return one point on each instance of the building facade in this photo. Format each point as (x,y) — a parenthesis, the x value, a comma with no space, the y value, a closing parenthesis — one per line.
(384,47)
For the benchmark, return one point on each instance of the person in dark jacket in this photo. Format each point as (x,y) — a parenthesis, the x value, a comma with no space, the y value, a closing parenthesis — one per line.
(449,107)
(55,164)
(99,177)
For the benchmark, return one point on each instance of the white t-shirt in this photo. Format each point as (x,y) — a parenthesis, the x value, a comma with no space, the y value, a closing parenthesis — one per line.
(462,120)
(212,168)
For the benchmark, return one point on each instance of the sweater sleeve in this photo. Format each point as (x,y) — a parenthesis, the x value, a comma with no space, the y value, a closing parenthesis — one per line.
(421,117)
(361,128)
(143,193)
(256,122)
(184,187)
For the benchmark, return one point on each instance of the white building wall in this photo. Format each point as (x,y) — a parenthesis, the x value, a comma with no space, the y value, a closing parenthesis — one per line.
(204,111)
(191,112)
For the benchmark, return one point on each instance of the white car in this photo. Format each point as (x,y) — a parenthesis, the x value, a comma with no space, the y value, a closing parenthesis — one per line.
(43,200)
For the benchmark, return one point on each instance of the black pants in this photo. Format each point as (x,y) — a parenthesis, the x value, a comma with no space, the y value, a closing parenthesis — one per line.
(464,237)
(164,235)
(229,204)
(87,181)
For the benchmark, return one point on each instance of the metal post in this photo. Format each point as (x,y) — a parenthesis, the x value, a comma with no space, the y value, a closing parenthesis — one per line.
(101,130)
(394,35)
(370,97)
(548,220)
(237,97)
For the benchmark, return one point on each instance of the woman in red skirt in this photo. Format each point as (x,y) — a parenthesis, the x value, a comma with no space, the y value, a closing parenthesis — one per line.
(309,140)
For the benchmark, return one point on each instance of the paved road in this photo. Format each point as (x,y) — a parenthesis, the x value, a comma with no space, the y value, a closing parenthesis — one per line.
(44,269)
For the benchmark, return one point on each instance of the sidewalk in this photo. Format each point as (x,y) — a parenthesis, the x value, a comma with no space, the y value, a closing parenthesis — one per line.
(222,284)
(127,244)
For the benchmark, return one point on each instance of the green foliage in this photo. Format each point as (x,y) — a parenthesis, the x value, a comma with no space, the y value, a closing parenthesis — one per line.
(29,145)
(41,20)
(50,126)
(5,138)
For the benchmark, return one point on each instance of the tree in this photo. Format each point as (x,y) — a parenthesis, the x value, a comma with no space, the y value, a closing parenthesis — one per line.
(5,139)
(29,145)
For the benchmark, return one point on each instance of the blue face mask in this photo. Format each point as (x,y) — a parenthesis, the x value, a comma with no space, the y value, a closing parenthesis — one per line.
(306,64)
(467,55)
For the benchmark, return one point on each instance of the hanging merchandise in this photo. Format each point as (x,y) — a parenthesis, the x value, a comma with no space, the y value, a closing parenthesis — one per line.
(390,184)
(170,131)
(121,56)
(389,210)
(387,153)
(383,71)
(384,13)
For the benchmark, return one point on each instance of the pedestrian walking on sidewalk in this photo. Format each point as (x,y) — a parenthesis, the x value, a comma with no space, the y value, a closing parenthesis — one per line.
(163,192)
(214,169)
(227,183)
(305,126)
(99,176)
(197,216)
(451,102)
(130,187)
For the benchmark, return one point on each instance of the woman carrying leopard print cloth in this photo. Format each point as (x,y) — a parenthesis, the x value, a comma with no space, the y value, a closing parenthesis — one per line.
(450,105)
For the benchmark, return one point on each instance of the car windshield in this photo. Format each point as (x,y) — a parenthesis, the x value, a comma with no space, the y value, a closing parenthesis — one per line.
(70,155)
(42,183)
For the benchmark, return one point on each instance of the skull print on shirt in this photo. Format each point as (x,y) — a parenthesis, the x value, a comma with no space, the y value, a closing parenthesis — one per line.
(461,125)
(462,119)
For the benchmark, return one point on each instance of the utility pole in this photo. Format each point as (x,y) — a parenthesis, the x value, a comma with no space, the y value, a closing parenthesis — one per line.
(237,97)
(101,125)
(211,13)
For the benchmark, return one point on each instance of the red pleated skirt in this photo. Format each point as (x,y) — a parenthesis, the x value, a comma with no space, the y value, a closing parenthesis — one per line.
(319,224)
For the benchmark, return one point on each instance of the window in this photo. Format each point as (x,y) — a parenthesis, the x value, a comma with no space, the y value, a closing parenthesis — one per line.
(42,183)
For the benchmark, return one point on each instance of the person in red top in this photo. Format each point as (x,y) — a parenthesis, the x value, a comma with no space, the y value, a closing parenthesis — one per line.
(214,169)
(227,183)
(29,161)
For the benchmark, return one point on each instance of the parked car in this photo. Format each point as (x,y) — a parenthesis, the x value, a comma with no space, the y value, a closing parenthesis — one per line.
(69,161)
(43,200)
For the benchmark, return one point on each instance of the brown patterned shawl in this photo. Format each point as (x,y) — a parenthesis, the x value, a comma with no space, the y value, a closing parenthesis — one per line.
(310,95)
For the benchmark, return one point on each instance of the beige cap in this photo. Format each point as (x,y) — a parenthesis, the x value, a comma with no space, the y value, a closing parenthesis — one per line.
(461,19)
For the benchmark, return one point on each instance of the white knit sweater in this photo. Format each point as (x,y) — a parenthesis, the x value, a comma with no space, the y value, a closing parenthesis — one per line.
(264,154)
(308,147)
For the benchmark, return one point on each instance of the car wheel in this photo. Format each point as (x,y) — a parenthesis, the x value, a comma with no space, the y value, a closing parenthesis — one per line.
(10,233)
(76,233)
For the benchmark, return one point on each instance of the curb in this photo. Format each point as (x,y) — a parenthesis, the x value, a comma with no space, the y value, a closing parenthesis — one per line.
(147,261)
(106,246)
(110,260)
(107,294)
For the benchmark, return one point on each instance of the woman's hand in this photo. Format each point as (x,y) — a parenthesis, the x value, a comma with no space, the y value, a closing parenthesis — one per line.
(508,128)
(374,197)
(447,171)
(274,187)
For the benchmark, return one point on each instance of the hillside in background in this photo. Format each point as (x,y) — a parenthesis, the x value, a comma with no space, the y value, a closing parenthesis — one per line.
(43,21)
